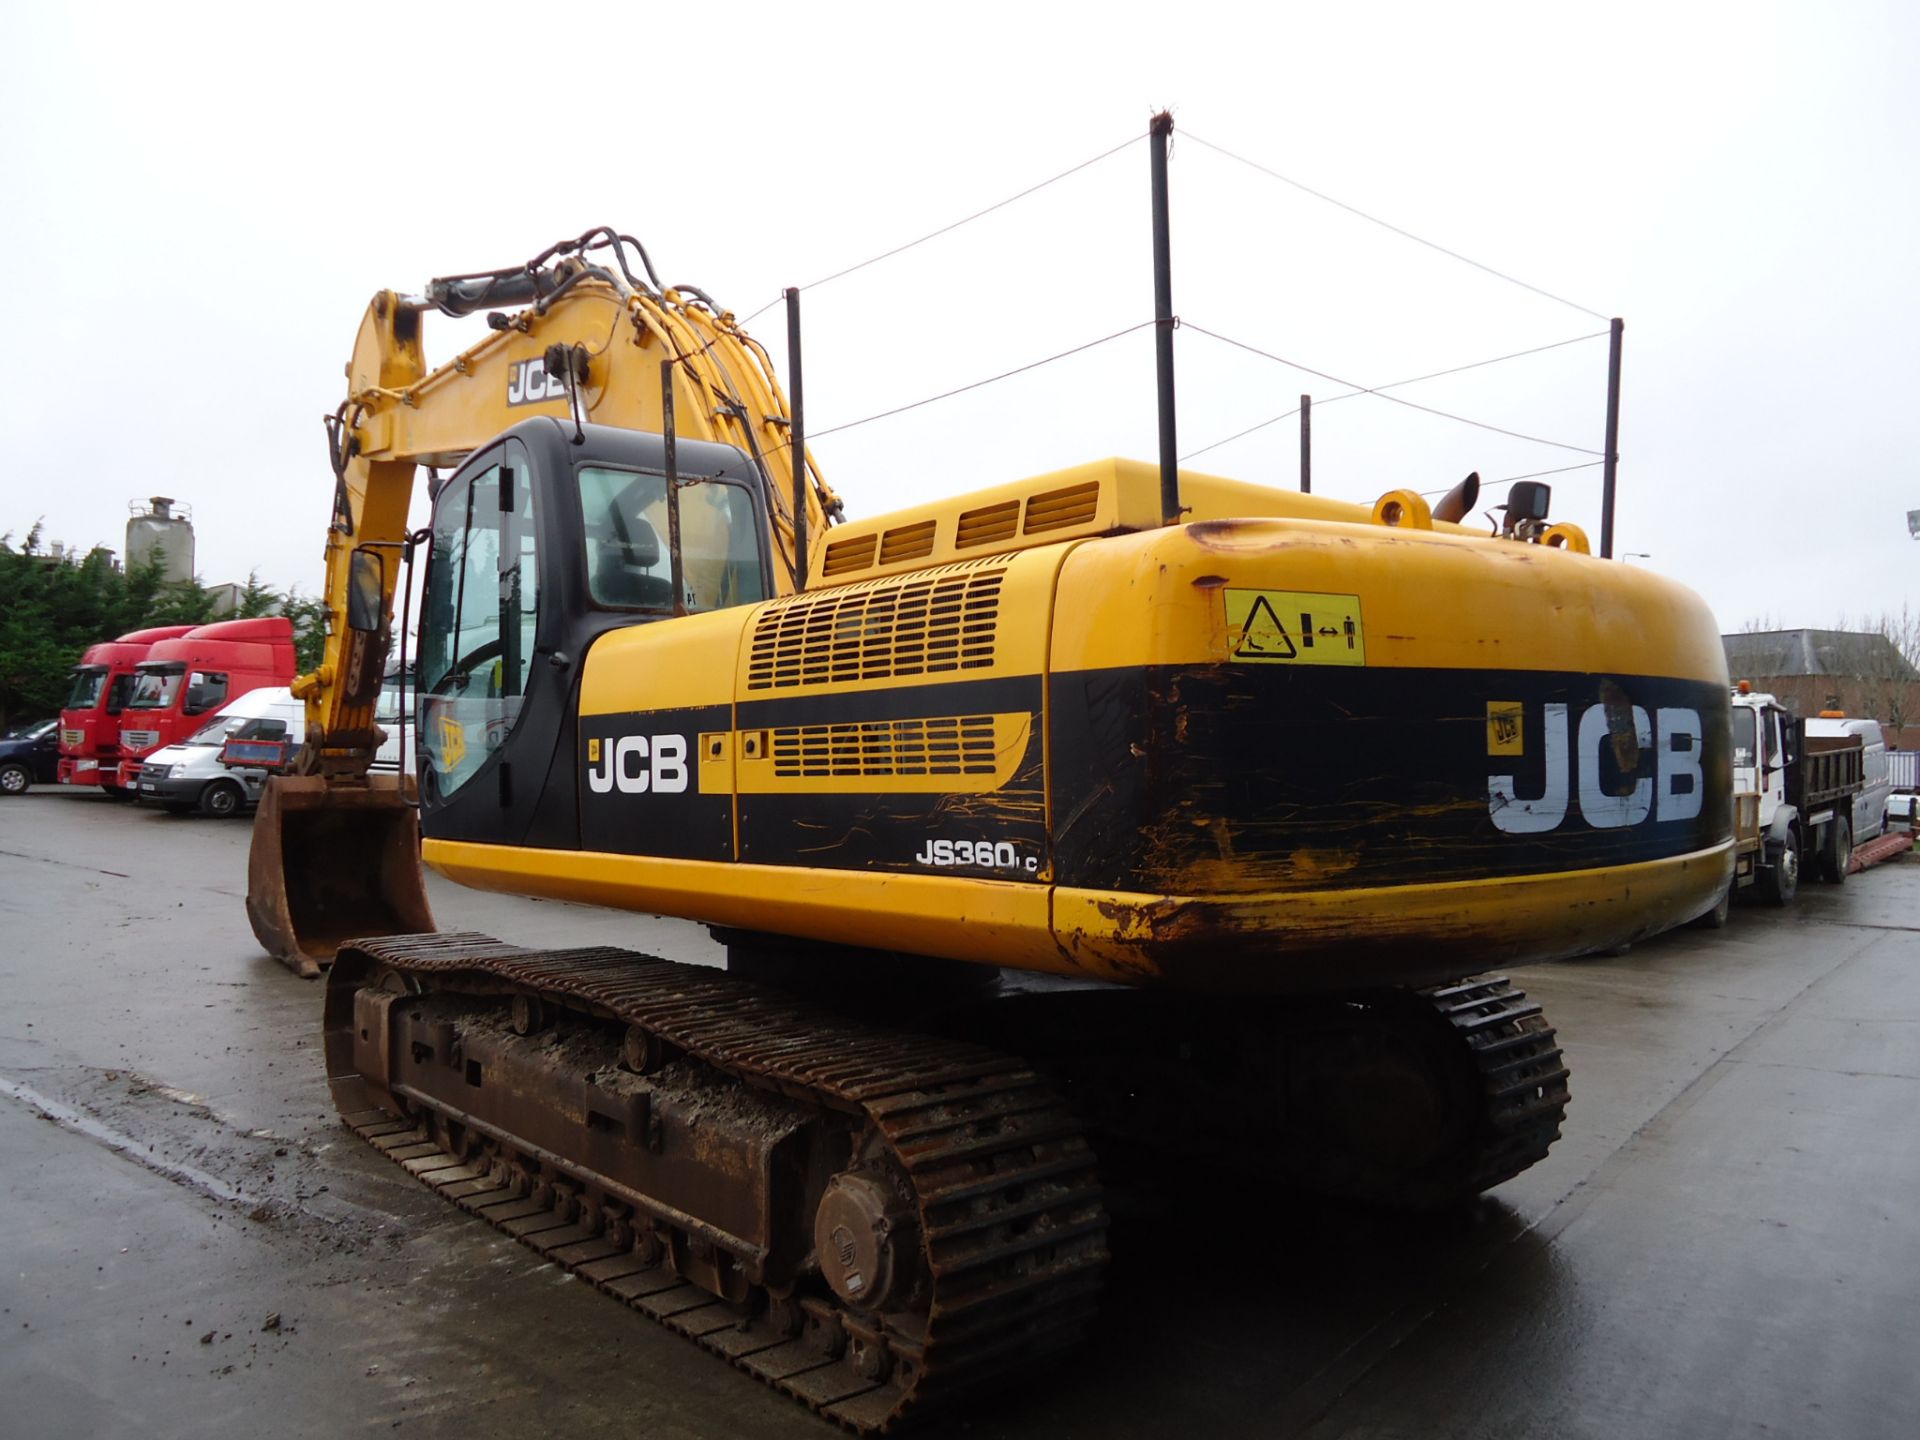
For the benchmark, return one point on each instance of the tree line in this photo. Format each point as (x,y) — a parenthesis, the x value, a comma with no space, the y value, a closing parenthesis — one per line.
(53,607)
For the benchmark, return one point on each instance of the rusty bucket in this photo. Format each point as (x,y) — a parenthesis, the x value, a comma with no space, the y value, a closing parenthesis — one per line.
(331,862)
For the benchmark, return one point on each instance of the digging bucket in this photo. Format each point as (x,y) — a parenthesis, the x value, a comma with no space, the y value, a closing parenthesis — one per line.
(331,862)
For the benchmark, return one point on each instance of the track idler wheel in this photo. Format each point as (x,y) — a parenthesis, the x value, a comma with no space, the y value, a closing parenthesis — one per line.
(868,1243)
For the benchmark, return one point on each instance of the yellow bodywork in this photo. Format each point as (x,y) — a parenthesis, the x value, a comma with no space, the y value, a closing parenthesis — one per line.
(960,676)
(1112,598)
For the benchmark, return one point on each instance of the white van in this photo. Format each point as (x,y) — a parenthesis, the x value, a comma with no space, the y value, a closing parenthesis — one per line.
(189,776)
(1870,805)
(396,695)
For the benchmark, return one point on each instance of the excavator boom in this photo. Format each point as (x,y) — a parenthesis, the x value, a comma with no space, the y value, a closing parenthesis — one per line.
(335,849)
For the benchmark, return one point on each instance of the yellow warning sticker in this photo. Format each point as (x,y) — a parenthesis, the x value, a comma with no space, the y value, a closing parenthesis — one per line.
(453,742)
(1295,627)
(1504,733)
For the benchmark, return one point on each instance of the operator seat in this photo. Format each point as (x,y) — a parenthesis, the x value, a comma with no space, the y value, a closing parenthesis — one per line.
(620,570)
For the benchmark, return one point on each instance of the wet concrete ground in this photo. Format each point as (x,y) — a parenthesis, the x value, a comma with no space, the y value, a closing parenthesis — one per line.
(1726,1242)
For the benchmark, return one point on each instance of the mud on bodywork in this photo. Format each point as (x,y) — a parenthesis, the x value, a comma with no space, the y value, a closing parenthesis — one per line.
(1240,781)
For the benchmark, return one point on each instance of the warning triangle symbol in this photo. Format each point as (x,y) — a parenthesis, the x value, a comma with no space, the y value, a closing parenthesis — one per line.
(1263,636)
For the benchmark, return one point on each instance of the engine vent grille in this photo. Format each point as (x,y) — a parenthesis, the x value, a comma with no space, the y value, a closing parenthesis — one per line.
(926,623)
(953,745)
(907,542)
(989,525)
(844,555)
(1057,509)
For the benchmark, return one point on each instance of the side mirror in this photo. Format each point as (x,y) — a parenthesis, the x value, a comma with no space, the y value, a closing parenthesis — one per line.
(367,592)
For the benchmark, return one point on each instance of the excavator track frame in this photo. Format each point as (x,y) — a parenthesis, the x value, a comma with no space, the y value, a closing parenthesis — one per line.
(1403,1099)
(1006,1202)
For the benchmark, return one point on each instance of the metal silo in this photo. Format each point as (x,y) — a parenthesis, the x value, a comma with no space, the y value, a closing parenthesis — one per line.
(157,528)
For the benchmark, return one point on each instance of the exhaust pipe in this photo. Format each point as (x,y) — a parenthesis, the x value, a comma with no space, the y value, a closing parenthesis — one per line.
(1457,503)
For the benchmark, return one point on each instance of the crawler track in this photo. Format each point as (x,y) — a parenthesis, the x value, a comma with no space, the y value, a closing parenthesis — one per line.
(1523,1084)
(1000,1182)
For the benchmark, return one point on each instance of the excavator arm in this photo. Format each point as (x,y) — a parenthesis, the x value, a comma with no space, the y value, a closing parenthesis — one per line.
(569,337)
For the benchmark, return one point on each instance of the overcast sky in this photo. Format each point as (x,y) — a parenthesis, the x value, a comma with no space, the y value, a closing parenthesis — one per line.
(196,204)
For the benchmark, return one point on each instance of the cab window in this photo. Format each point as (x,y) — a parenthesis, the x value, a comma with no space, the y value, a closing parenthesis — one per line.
(391,700)
(156,689)
(1743,735)
(238,727)
(478,621)
(206,690)
(87,685)
(624,513)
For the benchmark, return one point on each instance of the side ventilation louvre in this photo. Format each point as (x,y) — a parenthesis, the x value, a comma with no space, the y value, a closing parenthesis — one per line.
(1057,509)
(989,525)
(907,542)
(851,554)
(925,623)
(950,745)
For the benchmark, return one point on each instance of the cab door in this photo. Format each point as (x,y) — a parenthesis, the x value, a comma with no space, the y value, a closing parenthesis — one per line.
(490,704)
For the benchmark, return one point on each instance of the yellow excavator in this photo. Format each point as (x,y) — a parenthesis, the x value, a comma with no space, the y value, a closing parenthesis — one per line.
(1030,820)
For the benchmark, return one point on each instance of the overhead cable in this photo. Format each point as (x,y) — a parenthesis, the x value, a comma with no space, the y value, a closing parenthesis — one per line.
(1378,390)
(1530,475)
(1395,385)
(955,225)
(813,435)
(1192,138)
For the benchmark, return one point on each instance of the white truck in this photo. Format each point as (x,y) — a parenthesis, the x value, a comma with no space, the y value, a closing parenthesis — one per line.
(1793,795)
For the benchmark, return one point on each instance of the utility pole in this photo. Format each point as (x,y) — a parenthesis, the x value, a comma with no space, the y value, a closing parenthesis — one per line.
(1612,461)
(1306,444)
(1158,132)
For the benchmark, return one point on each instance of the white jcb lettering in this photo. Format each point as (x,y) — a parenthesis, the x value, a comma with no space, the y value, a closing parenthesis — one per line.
(1680,778)
(669,764)
(1674,792)
(1531,817)
(1602,810)
(630,747)
(529,384)
(636,764)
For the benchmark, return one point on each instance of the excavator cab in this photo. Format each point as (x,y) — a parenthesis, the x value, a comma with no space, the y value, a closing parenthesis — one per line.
(545,539)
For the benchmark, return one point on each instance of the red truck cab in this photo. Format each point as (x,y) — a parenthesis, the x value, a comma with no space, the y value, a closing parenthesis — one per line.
(90,720)
(184,680)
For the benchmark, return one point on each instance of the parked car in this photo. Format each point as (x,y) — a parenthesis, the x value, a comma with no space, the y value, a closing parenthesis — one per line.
(1903,808)
(190,775)
(30,756)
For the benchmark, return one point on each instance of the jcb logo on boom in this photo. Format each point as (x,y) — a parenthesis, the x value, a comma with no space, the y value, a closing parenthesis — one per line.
(635,764)
(1673,793)
(529,384)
